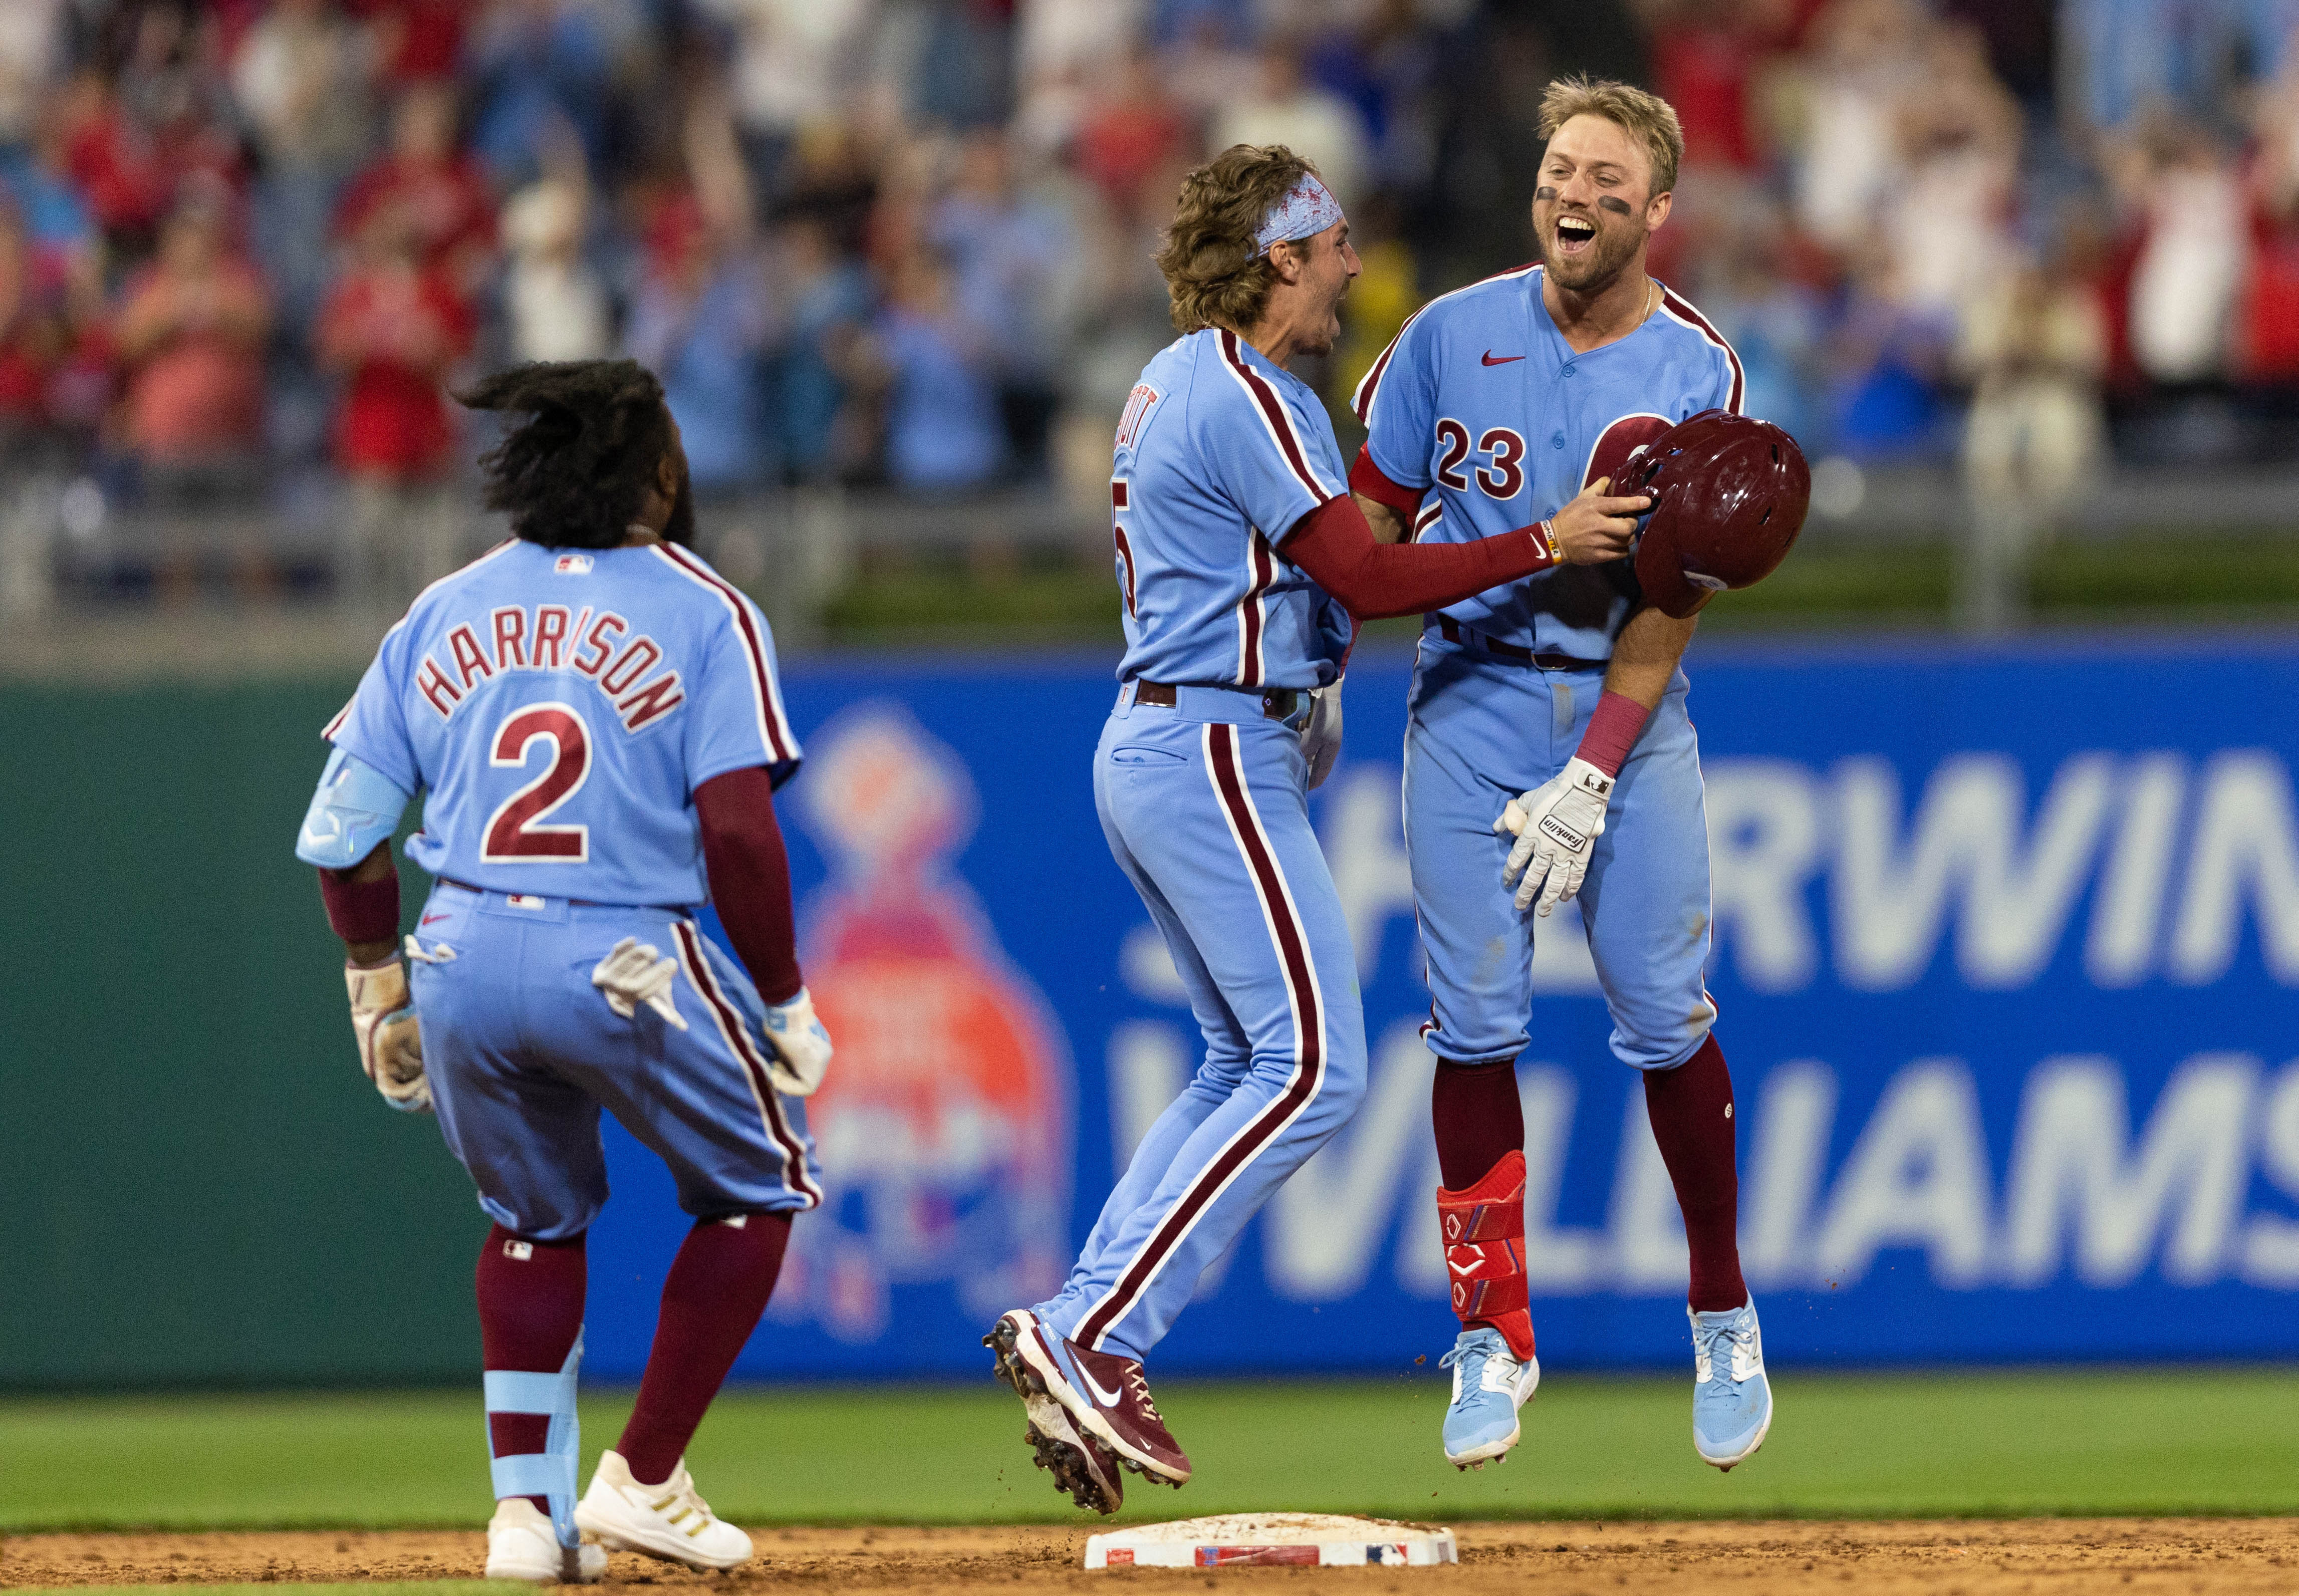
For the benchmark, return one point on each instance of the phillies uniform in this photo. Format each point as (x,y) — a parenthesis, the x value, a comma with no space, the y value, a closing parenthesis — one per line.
(1218,454)
(1480,417)
(560,708)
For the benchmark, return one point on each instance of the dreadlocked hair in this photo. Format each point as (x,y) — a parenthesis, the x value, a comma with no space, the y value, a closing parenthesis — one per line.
(574,474)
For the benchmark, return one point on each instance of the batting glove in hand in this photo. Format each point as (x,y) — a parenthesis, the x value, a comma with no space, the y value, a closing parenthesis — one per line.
(801,1047)
(635,972)
(1321,733)
(390,1043)
(1556,827)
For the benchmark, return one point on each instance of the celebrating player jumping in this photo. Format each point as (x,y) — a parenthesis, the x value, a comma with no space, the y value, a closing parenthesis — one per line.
(1549,754)
(1241,557)
(593,712)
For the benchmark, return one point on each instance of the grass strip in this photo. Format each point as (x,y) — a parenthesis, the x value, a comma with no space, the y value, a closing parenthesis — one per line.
(2084,1443)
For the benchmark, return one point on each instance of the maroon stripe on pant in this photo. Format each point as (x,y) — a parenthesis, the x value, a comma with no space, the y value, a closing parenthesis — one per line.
(1309,1069)
(730,1022)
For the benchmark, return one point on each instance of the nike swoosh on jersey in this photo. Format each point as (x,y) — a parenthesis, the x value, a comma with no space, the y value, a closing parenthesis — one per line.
(1503,360)
(429,917)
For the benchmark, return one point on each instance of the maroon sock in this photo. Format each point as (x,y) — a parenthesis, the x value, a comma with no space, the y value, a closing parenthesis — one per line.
(717,1288)
(1691,1112)
(1479,1119)
(530,1312)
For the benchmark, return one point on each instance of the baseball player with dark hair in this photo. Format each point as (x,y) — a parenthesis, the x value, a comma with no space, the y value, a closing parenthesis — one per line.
(1548,752)
(594,713)
(1241,559)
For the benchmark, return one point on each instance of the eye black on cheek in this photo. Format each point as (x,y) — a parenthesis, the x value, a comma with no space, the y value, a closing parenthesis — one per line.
(1544,191)
(1606,201)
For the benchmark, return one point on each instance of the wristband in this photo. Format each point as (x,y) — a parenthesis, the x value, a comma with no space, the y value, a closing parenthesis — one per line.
(362,910)
(1612,732)
(1545,533)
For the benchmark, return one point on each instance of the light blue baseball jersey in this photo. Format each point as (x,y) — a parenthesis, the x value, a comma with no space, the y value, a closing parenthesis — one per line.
(1219,454)
(1479,399)
(560,706)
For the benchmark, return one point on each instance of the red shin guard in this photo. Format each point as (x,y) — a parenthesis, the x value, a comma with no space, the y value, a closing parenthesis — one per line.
(1483,1228)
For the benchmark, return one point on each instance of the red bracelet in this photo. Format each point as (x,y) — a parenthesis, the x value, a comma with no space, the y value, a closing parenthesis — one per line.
(1612,732)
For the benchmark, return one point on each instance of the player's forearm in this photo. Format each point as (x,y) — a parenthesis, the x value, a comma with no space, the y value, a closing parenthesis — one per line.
(362,905)
(749,870)
(1388,526)
(1643,662)
(1374,580)
(1647,655)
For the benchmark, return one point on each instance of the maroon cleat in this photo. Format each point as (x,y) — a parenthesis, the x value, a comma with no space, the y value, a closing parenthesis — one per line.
(1079,1463)
(1106,1395)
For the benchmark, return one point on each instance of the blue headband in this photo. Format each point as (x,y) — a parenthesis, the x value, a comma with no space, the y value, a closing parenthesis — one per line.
(1309,209)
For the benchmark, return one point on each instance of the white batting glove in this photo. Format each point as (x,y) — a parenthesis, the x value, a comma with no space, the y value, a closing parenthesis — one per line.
(1321,733)
(390,1042)
(1556,827)
(635,972)
(801,1047)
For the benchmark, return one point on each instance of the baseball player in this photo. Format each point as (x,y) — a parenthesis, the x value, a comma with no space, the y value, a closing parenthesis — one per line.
(1548,752)
(594,714)
(1241,557)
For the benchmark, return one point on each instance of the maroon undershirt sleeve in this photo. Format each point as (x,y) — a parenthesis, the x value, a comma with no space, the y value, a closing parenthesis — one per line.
(1369,479)
(1374,580)
(743,855)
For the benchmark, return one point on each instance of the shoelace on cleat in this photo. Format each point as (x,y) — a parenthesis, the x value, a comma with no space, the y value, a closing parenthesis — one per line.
(1705,1340)
(1139,1385)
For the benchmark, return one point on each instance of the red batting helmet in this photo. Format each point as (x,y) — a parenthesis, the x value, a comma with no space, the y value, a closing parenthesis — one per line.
(1729,494)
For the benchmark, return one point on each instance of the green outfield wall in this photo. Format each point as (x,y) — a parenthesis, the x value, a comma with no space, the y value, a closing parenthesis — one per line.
(195,1184)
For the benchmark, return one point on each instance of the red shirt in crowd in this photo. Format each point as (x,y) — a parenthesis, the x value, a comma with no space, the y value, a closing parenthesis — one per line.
(448,203)
(394,333)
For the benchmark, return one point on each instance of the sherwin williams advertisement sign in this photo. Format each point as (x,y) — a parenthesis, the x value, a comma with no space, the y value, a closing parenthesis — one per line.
(2006,951)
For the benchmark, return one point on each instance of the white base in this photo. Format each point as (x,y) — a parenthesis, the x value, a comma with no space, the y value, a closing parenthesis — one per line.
(1244,1540)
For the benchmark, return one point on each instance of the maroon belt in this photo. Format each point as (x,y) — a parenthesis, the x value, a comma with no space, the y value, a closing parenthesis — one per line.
(1454,632)
(1278,703)
(578,902)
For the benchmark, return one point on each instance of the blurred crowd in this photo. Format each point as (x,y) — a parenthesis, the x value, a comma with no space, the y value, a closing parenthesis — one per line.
(249,242)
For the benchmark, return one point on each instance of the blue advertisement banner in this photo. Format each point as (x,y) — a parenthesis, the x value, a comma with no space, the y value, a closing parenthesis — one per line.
(2006,954)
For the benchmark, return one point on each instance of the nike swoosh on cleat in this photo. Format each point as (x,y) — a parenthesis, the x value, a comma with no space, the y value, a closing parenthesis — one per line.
(1503,360)
(1107,1399)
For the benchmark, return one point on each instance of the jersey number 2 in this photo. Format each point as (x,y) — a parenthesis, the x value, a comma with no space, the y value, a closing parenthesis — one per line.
(514,833)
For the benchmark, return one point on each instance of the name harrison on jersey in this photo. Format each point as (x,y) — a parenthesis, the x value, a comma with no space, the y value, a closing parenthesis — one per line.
(556,638)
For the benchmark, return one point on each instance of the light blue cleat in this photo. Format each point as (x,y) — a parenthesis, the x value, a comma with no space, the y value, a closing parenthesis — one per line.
(1731,1400)
(1488,1386)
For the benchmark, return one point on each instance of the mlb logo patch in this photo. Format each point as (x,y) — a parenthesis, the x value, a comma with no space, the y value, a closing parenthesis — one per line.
(572,565)
(522,900)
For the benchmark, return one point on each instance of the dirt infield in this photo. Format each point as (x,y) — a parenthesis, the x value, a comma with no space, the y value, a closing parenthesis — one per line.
(1954,1558)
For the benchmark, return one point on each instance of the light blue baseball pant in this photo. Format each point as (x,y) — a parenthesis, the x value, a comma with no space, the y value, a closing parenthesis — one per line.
(1483,731)
(522,1052)
(1205,809)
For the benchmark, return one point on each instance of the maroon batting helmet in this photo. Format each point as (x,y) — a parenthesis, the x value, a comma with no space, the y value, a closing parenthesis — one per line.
(1729,494)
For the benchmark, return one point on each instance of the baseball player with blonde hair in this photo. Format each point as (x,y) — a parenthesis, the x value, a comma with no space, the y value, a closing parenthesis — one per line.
(1242,564)
(1548,752)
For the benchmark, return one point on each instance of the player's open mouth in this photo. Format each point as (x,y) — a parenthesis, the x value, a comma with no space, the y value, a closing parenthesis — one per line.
(1574,234)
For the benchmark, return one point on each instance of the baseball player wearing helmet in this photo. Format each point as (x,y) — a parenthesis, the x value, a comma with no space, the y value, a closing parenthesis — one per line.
(593,712)
(1240,560)
(1548,754)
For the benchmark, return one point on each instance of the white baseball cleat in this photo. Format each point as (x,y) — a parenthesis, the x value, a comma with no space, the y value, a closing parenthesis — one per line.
(522,1545)
(667,1521)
